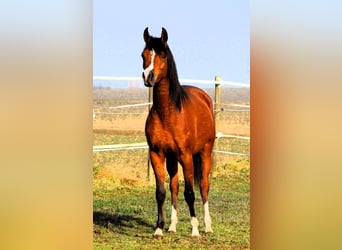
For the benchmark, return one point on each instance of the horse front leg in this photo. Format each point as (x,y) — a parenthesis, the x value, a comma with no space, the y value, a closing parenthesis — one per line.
(189,195)
(172,168)
(157,160)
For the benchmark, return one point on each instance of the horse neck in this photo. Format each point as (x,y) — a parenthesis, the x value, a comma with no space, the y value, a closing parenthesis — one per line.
(161,98)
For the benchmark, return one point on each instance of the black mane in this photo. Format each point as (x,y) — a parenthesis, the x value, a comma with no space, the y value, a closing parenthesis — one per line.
(176,91)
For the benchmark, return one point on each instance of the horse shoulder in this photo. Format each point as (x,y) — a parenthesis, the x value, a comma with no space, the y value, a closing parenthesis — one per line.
(157,135)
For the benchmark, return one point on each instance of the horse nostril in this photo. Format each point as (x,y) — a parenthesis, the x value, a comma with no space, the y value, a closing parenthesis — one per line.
(150,76)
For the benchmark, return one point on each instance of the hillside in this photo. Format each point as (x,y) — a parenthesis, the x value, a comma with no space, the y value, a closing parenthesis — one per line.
(228,95)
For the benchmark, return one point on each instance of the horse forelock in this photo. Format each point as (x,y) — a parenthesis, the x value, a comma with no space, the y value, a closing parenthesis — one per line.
(155,44)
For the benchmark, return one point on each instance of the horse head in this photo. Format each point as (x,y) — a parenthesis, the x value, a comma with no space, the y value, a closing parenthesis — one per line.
(155,59)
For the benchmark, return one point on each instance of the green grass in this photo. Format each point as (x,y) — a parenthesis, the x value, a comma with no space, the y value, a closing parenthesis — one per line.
(125,216)
(105,139)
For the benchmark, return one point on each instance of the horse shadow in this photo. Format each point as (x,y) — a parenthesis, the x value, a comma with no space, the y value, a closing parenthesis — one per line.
(120,223)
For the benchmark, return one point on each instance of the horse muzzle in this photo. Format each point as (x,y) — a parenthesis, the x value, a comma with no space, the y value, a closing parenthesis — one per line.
(149,79)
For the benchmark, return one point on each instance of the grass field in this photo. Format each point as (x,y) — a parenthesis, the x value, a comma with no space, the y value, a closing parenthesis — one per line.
(124,203)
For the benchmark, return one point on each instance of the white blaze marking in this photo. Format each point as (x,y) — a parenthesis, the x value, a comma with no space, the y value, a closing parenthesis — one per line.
(207,219)
(174,220)
(150,67)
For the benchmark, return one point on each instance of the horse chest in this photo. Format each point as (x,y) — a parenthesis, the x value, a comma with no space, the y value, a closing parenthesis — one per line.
(165,139)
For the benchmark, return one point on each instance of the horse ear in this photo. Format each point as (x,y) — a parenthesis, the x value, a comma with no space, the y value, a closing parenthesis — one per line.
(147,37)
(164,35)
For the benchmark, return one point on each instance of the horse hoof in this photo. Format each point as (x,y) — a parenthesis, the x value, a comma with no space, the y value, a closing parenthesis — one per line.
(158,236)
(195,234)
(172,230)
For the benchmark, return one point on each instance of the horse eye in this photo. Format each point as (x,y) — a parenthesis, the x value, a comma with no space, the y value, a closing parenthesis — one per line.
(162,55)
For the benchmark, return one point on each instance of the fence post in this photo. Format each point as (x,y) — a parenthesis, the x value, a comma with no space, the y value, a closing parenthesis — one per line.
(217,101)
(150,100)
(217,113)
(150,97)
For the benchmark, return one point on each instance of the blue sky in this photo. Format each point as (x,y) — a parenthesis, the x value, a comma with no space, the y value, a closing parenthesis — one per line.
(207,38)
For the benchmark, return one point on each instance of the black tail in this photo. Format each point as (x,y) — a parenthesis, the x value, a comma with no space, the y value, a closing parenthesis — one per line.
(196,158)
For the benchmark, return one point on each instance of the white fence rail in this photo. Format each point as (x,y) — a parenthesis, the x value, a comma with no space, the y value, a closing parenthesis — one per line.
(103,148)
(143,145)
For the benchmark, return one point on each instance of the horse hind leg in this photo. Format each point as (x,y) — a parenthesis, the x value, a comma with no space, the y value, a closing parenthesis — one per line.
(204,188)
(172,168)
(207,218)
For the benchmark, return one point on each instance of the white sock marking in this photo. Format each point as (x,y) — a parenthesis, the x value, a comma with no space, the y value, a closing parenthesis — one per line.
(150,67)
(194,224)
(207,219)
(174,220)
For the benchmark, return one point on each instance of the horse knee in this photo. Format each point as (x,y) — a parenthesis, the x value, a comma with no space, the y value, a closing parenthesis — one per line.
(160,195)
(189,196)
(204,189)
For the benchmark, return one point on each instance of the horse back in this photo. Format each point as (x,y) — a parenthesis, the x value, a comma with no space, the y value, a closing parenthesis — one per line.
(198,110)
(198,95)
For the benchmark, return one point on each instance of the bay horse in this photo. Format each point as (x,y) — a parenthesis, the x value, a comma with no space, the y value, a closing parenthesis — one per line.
(179,128)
